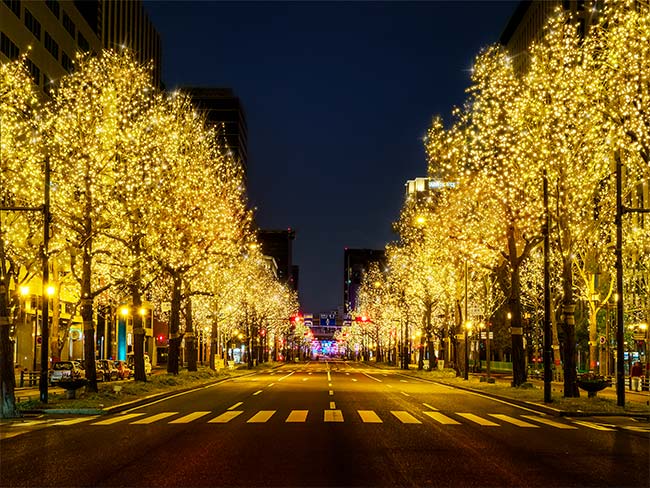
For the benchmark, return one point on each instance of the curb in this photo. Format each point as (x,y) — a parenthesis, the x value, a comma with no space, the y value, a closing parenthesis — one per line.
(541,408)
(133,403)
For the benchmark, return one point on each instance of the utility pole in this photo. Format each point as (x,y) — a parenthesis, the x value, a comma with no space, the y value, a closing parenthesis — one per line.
(45,302)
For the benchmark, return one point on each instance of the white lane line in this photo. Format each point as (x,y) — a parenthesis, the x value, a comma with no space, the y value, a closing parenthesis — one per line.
(286,376)
(329,384)
(593,426)
(189,418)
(154,418)
(297,416)
(369,417)
(478,420)
(354,379)
(331,392)
(329,376)
(333,416)
(226,417)
(546,421)
(270,385)
(403,381)
(405,417)
(28,423)
(372,378)
(75,421)
(429,406)
(235,405)
(305,379)
(443,419)
(261,417)
(513,421)
(389,386)
(257,392)
(332,405)
(404,393)
(118,418)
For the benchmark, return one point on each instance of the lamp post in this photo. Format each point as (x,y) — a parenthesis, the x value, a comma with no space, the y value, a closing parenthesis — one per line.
(468,327)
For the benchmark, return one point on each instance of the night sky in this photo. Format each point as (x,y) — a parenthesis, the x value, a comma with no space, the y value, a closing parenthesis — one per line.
(338,96)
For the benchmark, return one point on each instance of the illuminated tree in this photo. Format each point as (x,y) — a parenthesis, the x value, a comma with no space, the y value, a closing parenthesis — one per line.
(21,185)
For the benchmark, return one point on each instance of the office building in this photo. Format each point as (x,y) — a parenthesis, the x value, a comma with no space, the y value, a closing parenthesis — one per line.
(355,263)
(54,31)
(278,244)
(224,110)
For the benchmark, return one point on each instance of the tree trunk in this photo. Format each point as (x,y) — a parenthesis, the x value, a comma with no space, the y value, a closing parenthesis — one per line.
(55,343)
(568,326)
(138,333)
(86,306)
(190,338)
(214,340)
(516,328)
(7,376)
(174,326)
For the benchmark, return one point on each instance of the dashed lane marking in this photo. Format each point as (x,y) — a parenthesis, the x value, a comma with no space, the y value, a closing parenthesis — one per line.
(429,406)
(235,405)
(332,405)
(257,392)
(404,393)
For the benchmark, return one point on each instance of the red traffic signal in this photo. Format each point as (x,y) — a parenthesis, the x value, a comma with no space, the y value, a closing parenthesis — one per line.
(363,318)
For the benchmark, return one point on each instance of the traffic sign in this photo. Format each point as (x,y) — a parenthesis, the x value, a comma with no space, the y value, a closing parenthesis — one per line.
(309,323)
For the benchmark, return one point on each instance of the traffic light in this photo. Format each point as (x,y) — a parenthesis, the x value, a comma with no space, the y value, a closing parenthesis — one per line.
(363,318)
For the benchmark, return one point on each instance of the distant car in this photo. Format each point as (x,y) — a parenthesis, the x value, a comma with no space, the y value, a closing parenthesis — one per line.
(147,363)
(107,370)
(66,371)
(123,370)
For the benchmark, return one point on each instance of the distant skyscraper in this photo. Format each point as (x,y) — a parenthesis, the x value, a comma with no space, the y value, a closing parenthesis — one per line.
(355,263)
(56,31)
(223,109)
(279,245)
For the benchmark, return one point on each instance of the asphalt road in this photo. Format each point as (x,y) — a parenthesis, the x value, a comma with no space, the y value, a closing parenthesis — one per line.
(324,424)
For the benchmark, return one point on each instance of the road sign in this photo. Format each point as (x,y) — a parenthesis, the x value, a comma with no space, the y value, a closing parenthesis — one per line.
(483,336)
(309,323)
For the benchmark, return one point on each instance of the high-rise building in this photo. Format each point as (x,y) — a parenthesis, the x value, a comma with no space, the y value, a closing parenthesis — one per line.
(225,111)
(55,31)
(279,245)
(355,264)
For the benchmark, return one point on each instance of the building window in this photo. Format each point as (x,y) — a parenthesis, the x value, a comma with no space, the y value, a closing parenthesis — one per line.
(48,85)
(66,62)
(32,24)
(51,45)
(14,6)
(8,48)
(34,71)
(69,25)
(83,43)
(53,5)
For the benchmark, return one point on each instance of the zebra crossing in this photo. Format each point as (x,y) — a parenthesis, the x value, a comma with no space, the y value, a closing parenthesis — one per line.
(332,415)
(338,416)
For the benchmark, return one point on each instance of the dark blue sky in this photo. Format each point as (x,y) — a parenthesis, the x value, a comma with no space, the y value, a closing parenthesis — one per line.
(338,96)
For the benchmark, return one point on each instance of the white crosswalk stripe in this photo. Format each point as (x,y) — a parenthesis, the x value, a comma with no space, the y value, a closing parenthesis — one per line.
(261,417)
(226,417)
(405,417)
(297,416)
(118,418)
(186,419)
(478,420)
(369,417)
(552,423)
(514,421)
(154,418)
(333,416)
(441,418)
